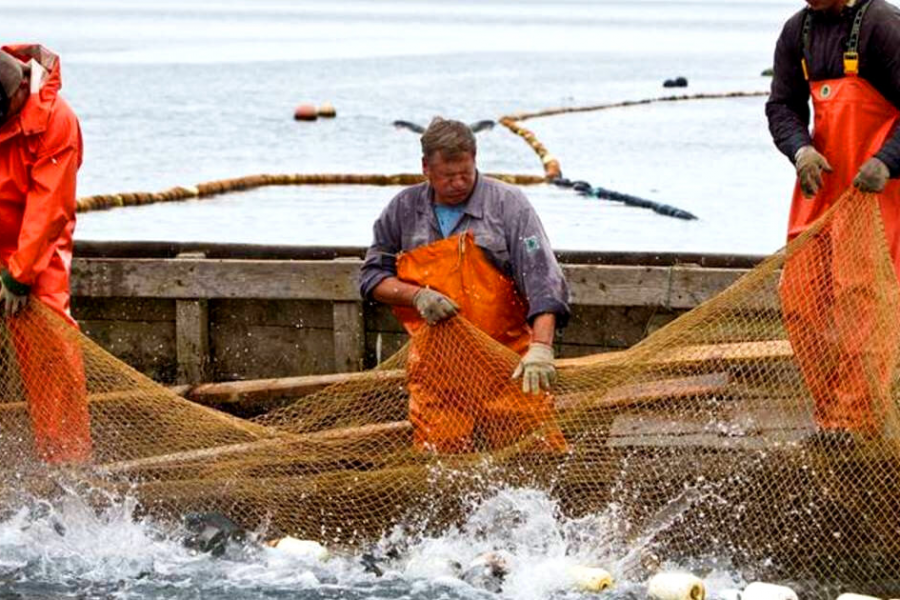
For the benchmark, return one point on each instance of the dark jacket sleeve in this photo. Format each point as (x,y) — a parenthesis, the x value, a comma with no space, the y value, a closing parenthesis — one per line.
(536,272)
(381,257)
(788,106)
(884,47)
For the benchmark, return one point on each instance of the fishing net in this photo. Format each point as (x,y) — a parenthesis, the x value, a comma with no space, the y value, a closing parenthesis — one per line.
(761,426)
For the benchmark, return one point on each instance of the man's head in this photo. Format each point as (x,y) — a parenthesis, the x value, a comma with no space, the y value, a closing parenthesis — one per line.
(13,86)
(832,6)
(448,160)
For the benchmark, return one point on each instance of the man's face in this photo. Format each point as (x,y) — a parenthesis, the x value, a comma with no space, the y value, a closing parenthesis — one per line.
(827,5)
(452,179)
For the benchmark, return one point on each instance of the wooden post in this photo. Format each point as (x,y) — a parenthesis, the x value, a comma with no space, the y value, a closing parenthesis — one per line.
(192,335)
(349,336)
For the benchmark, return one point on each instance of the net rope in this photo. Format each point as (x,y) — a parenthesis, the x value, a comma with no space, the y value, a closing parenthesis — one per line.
(770,412)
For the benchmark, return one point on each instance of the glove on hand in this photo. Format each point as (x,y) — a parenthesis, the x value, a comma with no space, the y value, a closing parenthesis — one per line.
(873,175)
(13,295)
(536,369)
(434,306)
(810,165)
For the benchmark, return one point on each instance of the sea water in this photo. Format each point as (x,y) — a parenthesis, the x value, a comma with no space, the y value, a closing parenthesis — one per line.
(177,93)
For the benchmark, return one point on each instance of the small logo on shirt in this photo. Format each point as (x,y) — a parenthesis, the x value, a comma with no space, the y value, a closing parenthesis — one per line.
(532,244)
(826,91)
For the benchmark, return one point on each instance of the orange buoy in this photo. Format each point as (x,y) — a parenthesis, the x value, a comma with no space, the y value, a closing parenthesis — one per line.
(305,112)
(327,110)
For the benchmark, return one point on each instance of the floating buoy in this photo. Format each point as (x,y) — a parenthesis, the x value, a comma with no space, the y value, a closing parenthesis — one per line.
(301,548)
(759,590)
(327,111)
(677,82)
(590,579)
(676,586)
(856,597)
(306,112)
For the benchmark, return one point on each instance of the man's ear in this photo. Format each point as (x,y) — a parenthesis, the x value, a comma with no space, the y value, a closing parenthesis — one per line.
(425,166)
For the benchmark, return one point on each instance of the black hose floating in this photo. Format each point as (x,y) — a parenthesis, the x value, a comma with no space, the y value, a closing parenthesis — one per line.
(586,189)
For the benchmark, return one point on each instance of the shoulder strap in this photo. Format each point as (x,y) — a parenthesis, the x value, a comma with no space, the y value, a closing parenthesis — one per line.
(851,56)
(807,26)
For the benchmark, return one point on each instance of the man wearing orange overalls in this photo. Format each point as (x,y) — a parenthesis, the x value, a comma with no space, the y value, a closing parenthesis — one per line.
(40,152)
(845,55)
(464,243)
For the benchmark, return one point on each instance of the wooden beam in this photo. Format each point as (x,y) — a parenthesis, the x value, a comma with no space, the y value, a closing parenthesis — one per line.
(349,336)
(216,278)
(192,340)
(365,433)
(734,352)
(677,287)
(739,424)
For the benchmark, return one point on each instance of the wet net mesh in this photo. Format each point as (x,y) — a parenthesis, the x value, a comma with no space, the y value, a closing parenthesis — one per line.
(767,418)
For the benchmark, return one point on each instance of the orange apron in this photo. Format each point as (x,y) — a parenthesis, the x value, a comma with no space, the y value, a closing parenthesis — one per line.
(459,395)
(829,300)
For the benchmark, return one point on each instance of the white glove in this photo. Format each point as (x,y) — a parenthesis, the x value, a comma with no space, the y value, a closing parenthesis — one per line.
(434,306)
(536,369)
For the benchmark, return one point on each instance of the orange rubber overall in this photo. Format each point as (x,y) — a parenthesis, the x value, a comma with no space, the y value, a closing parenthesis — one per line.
(453,398)
(40,152)
(828,300)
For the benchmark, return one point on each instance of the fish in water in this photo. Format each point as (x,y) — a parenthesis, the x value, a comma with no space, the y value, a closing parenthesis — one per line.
(416,128)
(487,571)
(211,532)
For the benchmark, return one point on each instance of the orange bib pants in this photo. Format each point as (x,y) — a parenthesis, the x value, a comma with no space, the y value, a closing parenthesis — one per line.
(829,290)
(460,398)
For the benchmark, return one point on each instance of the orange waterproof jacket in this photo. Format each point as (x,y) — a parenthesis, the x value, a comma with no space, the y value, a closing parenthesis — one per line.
(40,152)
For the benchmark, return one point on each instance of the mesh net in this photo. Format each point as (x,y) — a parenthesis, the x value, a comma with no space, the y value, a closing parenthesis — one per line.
(761,426)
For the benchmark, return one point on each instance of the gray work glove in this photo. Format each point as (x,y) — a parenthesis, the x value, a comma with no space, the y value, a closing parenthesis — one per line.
(873,175)
(536,369)
(433,306)
(810,165)
(13,295)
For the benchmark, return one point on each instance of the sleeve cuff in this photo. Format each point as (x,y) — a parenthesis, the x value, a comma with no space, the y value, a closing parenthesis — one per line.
(369,283)
(17,288)
(550,305)
(890,162)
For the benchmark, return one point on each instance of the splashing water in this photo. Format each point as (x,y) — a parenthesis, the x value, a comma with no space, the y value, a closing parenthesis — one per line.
(69,547)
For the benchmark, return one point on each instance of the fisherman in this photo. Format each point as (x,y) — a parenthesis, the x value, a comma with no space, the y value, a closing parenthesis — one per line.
(843,54)
(461,221)
(40,153)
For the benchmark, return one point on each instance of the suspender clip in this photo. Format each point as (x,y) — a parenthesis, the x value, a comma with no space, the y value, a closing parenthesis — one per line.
(851,63)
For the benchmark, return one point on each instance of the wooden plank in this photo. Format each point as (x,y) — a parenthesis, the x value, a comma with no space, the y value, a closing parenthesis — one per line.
(297,314)
(737,424)
(149,347)
(736,352)
(648,391)
(123,309)
(258,351)
(192,340)
(349,336)
(347,435)
(262,394)
(676,287)
(216,278)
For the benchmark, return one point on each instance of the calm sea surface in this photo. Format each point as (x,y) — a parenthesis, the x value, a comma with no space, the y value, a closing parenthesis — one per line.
(177,93)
